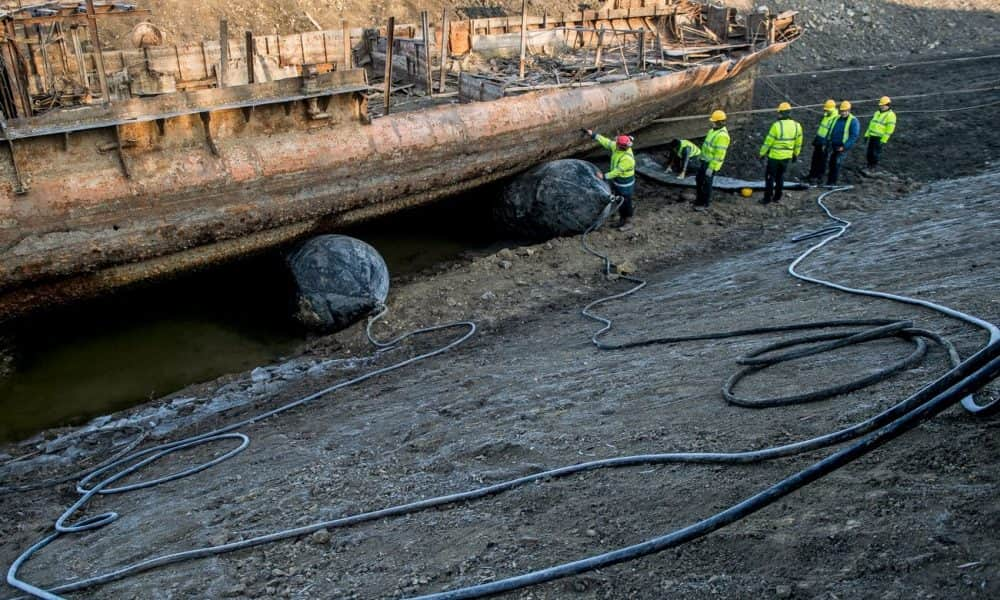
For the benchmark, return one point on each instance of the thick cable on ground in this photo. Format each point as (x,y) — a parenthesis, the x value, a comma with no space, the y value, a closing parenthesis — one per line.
(121,467)
(960,381)
(958,384)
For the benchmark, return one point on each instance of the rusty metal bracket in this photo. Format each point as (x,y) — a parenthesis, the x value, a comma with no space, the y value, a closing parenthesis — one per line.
(247,113)
(161,127)
(19,187)
(206,120)
(315,111)
(121,153)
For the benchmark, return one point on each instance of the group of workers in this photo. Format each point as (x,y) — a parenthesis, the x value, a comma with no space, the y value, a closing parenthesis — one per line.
(837,133)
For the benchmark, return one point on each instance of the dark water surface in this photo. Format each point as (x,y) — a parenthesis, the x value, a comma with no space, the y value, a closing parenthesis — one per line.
(79,362)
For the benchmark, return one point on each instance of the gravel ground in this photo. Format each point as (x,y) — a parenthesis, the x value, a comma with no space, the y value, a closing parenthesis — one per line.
(913,520)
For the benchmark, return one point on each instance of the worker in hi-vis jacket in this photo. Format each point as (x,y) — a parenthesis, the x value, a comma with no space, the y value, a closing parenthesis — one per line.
(843,135)
(621,176)
(782,147)
(713,154)
(880,129)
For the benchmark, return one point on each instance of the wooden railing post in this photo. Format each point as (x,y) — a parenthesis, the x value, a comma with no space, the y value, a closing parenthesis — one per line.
(390,41)
(426,32)
(348,52)
(524,37)
(223,51)
(444,49)
(249,53)
(95,41)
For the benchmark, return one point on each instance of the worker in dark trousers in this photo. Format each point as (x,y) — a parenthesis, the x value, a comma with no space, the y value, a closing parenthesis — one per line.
(713,154)
(821,143)
(880,129)
(843,135)
(781,147)
(682,155)
(622,173)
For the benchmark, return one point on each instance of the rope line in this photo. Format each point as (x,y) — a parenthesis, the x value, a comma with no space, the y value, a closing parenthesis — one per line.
(865,101)
(887,66)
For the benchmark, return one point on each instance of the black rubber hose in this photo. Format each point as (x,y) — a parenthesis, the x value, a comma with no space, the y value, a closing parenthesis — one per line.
(979,370)
(963,379)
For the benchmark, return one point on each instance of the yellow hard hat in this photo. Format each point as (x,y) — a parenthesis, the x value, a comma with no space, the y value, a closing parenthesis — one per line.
(845,105)
(884,101)
(784,106)
(717,115)
(746,192)
(829,104)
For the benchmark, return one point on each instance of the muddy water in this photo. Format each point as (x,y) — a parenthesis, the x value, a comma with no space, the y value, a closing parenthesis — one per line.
(73,364)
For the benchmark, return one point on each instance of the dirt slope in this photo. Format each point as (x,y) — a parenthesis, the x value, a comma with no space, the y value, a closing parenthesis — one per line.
(837,31)
(914,520)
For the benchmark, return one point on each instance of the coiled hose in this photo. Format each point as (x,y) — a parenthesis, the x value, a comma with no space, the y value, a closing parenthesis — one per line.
(102,478)
(957,384)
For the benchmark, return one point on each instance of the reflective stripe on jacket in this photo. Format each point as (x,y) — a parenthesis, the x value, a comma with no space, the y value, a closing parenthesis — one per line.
(713,149)
(882,125)
(688,147)
(845,131)
(826,125)
(622,162)
(783,141)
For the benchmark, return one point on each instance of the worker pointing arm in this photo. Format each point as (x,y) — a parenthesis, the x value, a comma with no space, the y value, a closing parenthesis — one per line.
(621,175)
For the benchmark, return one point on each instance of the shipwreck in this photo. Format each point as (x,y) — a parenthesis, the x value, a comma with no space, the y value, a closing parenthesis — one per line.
(121,166)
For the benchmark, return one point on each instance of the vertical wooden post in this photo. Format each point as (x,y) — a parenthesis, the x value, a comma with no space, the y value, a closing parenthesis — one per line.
(46,79)
(81,64)
(223,51)
(15,78)
(444,49)
(425,27)
(642,50)
(64,49)
(390,39)
(524,37)
(348,52)
(600,47)
(95,41)
(249,53)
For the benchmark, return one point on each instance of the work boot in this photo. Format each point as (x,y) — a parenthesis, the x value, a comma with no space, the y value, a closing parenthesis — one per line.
(622,223)
(700,207)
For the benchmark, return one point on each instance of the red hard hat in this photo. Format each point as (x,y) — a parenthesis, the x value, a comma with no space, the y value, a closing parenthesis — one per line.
(623,141)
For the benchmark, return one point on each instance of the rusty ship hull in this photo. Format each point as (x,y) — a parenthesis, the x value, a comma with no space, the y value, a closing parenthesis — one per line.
(149,187)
